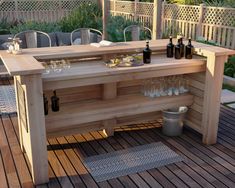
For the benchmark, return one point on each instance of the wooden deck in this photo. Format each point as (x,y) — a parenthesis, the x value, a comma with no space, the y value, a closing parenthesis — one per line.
(204,166)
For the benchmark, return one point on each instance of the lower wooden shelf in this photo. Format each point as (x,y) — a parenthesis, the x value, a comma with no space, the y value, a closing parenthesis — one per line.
(74,114)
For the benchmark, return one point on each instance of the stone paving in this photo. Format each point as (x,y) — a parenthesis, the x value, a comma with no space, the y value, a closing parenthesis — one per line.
(228,96)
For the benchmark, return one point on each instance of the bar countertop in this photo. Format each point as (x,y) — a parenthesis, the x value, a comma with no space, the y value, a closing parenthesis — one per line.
(27,62)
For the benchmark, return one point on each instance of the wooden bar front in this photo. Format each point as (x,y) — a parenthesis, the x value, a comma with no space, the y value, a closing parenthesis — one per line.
(95,97)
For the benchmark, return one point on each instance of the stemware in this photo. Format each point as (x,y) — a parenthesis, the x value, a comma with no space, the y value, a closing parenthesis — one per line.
(47,68)
(164,86)
(65,64)
(56,66)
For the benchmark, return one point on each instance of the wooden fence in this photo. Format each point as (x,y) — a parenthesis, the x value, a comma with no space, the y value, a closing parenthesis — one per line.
(212,23)
(38,10)
(133,11)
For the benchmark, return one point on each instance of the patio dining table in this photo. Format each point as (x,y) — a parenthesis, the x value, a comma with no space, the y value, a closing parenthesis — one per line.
(96,97)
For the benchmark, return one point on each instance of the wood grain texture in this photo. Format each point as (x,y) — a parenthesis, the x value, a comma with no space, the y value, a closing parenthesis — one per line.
(207,166)
(34,141)
(109,92)
(214,79)
(27,64)
(119,107)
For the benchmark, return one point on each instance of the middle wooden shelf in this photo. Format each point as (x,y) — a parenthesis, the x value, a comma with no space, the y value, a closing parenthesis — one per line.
(72,114)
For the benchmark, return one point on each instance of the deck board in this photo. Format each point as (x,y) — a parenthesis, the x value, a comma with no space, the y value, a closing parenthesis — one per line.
(204,166)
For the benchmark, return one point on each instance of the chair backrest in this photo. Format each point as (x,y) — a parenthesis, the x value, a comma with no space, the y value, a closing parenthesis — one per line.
(136,31)
(85,35)
(31,37)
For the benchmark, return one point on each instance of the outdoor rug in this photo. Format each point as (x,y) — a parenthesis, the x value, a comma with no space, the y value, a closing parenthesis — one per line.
(132,160)
(7,99)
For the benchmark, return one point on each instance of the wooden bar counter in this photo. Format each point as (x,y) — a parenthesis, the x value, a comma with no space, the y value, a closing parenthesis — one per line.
(95,97)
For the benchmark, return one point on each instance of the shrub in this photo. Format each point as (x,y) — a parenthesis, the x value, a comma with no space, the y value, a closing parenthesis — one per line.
(229,67)
(186,2)
(220,3)
(87,15)
(214,3)
(5,26)
(116,25)
(32,25)
(170,31)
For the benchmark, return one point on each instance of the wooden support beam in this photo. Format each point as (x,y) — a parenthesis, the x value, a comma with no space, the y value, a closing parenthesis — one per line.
(199,29)
(109,92)
(157,19)
(105,5)
(35,133)
(16,81)
(214,79)
(135,15)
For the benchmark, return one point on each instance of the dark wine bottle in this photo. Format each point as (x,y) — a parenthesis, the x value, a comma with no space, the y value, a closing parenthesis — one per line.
(45,102)
(178,50)
(189,50)
(182,46)
(147,54)
(170,49)
(55,106)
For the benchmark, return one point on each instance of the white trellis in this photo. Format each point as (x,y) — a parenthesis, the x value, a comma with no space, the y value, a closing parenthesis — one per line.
(212,23)
(38,10)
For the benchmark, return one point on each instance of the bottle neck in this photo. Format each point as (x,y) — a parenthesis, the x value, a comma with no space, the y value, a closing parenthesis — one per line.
(189,42)
(181,41)
(170,40)
(147,45)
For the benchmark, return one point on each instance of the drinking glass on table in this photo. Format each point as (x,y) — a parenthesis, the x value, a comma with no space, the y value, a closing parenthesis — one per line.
(66,64)
(56,66)
(47,68)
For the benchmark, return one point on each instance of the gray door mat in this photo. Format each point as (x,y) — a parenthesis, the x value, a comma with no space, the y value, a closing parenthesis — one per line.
(7,100)
(132,160)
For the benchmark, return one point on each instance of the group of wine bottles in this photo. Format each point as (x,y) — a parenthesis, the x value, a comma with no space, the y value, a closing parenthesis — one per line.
(55,106)
(180,50)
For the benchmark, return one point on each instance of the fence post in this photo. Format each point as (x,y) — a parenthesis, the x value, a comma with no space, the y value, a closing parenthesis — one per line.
(105,18)
(99,2)
(135,13)
(157,4)
(201,17)
(162,18)
(114,7)
(16,10)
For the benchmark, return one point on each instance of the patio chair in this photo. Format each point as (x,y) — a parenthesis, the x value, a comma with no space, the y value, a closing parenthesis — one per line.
(136,32)
(30,39)
(85,36)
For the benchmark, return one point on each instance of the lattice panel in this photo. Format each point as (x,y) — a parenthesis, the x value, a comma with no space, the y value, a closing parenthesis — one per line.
(7,5)
(125,7)
(71,4)
(145,9)
(39,5)
(220,16)
(186,13)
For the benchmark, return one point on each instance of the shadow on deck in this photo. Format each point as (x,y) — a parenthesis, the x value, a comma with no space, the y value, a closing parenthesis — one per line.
(205,166)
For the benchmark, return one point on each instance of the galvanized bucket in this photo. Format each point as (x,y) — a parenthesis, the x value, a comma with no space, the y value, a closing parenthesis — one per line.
(173,121)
